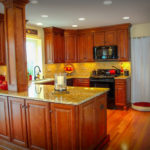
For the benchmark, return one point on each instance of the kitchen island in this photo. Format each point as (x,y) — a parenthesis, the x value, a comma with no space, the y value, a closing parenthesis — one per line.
(42,119)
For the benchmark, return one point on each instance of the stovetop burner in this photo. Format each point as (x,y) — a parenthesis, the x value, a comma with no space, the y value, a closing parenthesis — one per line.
(103,77)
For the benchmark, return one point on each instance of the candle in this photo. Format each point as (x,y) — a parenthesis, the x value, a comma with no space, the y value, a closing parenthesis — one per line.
(60,80)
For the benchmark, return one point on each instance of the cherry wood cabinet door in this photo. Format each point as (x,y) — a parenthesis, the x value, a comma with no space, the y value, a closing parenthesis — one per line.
(48,48)
(85,47)
(2,41)
(123,45)
(120,92)
(38,125)
(70,48)
(81,82)
(99,38)
(18,121)
(4,119)
(64,125)
(110,38)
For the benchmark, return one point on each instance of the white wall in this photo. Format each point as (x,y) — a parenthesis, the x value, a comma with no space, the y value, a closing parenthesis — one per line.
(140,30)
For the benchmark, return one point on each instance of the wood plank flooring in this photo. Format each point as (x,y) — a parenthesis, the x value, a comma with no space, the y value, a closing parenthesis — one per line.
(129,130)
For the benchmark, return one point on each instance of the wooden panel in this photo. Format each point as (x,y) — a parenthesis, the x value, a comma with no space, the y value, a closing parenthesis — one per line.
(16,53)
(99,39)
(81,82)
(18,121)
(110,38)
(2,41)
(4,119)
(64,125)
(123,45)
(38,125)
(71,48)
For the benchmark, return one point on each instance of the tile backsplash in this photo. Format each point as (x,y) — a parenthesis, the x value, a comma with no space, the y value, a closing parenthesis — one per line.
(3,71)
(84,69)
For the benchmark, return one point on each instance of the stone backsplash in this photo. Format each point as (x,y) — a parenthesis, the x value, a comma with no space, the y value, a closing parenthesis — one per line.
(84,69)
(3,71)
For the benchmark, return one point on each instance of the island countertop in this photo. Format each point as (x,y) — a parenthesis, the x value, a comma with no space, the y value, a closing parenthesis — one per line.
(76,95)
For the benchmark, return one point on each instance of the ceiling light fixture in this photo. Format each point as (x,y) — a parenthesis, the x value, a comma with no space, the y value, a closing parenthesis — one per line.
(81,19)
(107,2)
(44,16)
(33,1)
(74,26)
(126,18)
(39,24)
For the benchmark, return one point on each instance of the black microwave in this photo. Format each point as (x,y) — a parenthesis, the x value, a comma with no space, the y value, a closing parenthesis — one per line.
(105,53)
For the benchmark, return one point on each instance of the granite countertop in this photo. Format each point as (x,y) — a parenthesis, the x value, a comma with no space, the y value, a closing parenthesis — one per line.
(123,77)
(76,96)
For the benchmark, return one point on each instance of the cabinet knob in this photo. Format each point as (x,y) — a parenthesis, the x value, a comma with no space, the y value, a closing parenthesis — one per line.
(23,106)
(101,106)
(50,111)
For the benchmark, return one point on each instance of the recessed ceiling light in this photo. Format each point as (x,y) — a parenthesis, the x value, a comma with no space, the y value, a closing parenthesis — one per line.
(44,16)
(74,26)
(81,19)
(107,2)
(33,1)
(39,24)
(126,18)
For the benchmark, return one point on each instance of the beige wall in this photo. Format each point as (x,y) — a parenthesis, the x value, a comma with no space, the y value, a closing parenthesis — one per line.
(140,30)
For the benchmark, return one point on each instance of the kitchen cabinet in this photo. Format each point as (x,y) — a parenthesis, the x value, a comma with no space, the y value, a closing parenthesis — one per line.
(70,46)
(54,45)
(105,38)
(38,125)
(92,119)
(64,127)
(4,119)
(2,41)
(81,82)
(18,121)
(123,92)
(85,47)
(123,43)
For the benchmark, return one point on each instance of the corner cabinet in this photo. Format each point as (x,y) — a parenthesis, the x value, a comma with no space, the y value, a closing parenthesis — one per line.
(54,45)
(85,47)
(70,46)
(123,92)
(2,41)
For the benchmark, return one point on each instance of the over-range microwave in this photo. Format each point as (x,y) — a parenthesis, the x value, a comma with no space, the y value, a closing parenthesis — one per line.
(105,53)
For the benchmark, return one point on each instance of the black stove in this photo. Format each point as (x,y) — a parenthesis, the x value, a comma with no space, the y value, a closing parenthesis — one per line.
(103,78)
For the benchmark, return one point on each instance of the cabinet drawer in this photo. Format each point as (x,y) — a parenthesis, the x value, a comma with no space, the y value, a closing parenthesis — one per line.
(81,82)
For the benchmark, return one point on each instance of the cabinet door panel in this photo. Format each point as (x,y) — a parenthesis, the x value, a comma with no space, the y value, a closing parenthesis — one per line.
(2,41)
(110,38)
(70,48)
(63,127)
(4,119)
(123,45)
(18,121)
(99,39)
(38,124)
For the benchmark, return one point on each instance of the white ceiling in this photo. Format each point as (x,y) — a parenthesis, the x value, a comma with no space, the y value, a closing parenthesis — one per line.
(64,13)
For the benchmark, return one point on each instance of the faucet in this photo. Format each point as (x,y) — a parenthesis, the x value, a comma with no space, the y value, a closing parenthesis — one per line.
(35,74)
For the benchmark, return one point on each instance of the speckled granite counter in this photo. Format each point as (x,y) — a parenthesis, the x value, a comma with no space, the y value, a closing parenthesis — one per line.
(76,96)
(123,77)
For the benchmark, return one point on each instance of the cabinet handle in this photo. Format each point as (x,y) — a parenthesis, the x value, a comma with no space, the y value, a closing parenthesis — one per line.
(50,111)
(101,106)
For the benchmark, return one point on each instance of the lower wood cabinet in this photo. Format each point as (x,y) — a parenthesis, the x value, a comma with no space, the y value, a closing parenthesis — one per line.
(18,121)
(51,126)
(81,82)
(4,119)
(64,127)
(38,125)
(123,92)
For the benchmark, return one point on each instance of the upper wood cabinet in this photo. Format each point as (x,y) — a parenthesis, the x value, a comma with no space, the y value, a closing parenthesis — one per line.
(85,47)
(123,42)
(4,119)
(105,38)
(2,41)
(70,46)
(54,45)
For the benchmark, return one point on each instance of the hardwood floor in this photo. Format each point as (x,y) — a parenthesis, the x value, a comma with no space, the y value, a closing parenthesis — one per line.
(129,130)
